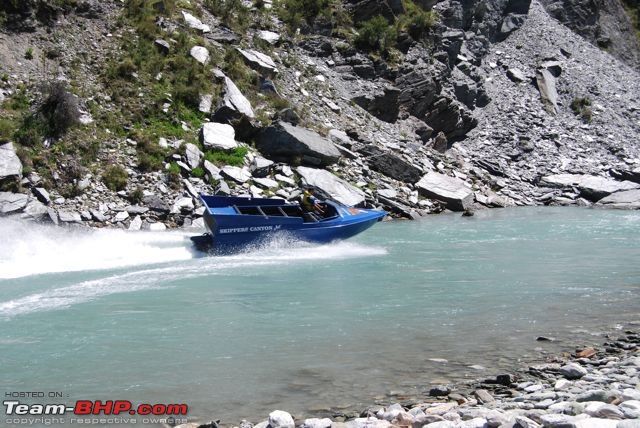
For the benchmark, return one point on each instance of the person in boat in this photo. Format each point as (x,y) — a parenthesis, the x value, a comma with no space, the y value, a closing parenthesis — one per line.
(310,203)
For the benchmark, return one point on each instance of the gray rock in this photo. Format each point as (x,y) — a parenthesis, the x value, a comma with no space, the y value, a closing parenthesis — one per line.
(223,188)
(337,188)
(547,86)
(572,371)
(367,423)
(555,420)
(98,216)
(212,170)
(596,423)
(156,204)
(316,423)
(206,100)
(516,75)
(442,424)
(195,23)
(603,410)
(630,409)
(605,396)
(241,175)
(10,165)
(269,36)
(218,136)
(450,116)
(193,155)
(136,209)
(136,223)
(260,167)
(200,54)
(163,46)
(12,202)
(629,199)
(35,210)
(285,142)
(383,104)
(591,187)
(266,183)
(391,165)
(69,216)
(525,422)
(121,216)
(455,193)
(259,61)
(630,394)
(483,396)
(233,100)
(281,419)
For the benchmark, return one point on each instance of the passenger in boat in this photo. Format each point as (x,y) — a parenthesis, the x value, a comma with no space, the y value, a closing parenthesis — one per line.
(310,203)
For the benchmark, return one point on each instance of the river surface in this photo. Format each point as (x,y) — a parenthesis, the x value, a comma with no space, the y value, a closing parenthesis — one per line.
(114,315)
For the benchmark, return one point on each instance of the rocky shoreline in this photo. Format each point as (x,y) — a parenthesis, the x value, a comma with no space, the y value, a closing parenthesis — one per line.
(589,387)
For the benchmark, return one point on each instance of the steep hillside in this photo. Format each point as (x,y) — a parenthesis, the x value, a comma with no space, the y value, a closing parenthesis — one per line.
(119,113)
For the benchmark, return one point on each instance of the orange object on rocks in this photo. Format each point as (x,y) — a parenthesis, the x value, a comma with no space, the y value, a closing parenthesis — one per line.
(586,353)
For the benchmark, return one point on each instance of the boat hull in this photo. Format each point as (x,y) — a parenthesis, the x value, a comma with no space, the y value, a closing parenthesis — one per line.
(231,232)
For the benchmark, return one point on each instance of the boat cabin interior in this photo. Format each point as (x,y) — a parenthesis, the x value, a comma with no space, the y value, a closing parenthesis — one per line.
(328,211)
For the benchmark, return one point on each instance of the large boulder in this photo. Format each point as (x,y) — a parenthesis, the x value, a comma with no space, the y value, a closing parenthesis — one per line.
(233,99)
(448,116)
(195,23)
(218,136)
(336,187)
(391,165)
(193,155)
(455,193)
(12,202)
(591,187)
(10,165)
(383,104)
(235,109)
(629,199)
(259,61)
(288,143)
(546,82)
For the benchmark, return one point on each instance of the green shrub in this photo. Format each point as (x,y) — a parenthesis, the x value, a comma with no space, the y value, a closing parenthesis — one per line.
(115,177)
(136,195)
(376,35)
(28,54)
(197,172)
(234,157)
(173,175)
(581,106)
(7,129)
(295,12)
(233,13)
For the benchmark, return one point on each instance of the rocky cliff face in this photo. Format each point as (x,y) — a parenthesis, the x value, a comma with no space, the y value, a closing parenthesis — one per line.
(478,103)
(602,22)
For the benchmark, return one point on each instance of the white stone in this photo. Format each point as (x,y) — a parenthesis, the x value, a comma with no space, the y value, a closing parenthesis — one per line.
(281,419)
(241,175)
(218,136)
(195,23)
(121,216)
(267,183)
(136,223)
(336,187)
(200,53)
(269,36)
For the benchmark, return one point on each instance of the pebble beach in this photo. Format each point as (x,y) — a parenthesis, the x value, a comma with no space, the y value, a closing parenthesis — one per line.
(587,387)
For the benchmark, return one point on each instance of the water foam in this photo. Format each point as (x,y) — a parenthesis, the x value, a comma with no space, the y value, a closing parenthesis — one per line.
(31,249)
(35,249)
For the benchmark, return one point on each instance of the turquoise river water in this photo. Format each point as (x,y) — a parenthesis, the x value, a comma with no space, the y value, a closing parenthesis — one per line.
(113,315)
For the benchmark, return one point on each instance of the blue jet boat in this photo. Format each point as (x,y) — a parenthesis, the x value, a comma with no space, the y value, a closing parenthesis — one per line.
(235,223)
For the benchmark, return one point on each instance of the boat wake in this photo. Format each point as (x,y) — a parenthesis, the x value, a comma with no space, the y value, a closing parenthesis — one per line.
(125,262)
(32,249)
